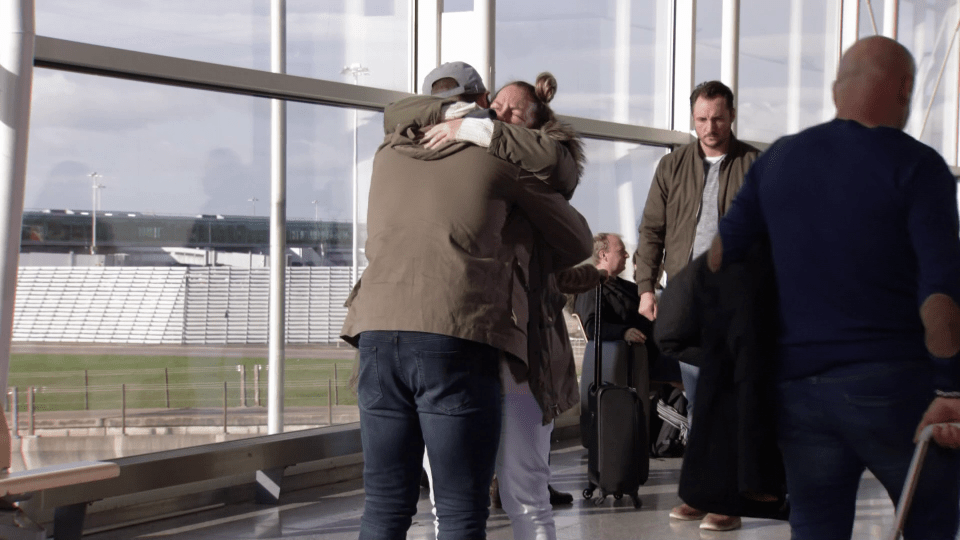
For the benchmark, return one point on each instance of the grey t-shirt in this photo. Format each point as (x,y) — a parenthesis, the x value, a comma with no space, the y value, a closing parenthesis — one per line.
(709,217)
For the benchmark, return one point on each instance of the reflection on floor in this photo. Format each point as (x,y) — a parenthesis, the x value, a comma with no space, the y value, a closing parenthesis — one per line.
(333,513)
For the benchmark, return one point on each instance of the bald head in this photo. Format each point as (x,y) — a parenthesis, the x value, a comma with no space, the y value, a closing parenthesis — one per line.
(874,83)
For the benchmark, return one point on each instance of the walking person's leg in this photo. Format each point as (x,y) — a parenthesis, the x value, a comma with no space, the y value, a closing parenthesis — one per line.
(883,414)
(823,472)
(523,468)
(861,415)
(459,406)
(391,438)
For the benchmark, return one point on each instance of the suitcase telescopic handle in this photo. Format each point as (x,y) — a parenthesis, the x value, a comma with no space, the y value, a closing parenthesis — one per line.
(913,475)
(597,349)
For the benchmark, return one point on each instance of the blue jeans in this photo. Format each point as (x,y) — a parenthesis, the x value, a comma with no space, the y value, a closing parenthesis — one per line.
(863,416)
(419,390)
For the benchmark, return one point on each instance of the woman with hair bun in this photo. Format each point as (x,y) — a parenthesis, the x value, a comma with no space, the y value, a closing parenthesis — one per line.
(553,152)
(550,386)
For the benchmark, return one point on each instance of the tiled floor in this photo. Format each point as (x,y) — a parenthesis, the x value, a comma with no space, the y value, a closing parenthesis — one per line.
(333,513)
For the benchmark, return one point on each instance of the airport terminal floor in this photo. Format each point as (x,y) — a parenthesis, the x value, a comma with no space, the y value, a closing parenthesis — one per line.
(333,513)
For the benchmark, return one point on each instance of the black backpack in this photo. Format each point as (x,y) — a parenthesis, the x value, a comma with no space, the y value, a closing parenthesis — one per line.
(668,423)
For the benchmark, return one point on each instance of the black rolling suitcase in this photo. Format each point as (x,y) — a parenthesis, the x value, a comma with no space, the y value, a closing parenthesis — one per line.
(616,437)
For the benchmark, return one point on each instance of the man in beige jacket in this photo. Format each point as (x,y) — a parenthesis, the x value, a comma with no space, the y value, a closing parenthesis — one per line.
(433,317)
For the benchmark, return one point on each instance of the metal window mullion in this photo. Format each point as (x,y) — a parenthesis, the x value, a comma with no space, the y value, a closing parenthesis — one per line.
(17,33)
(486,11)
(730,49)
(664,63)
(621,111)
(429,15)
(831,54)
(891,13)
(951,92)
(278,221)
(411,44)
(795,67)
(849,23)
(684,58)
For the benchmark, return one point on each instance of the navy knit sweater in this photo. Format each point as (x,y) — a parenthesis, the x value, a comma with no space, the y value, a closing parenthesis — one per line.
(863,226)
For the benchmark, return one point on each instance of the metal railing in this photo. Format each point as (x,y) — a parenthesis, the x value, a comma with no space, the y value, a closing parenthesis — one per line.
(124,391)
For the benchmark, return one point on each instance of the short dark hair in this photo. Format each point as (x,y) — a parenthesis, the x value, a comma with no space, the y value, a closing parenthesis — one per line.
(712,90)
(449,83)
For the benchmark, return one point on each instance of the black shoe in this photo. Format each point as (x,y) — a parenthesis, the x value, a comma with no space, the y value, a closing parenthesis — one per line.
(559,497)
(424,480)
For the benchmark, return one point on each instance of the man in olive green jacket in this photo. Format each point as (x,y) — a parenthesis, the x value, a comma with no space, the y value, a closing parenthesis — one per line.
(692,188)
(672,212)
(434,314)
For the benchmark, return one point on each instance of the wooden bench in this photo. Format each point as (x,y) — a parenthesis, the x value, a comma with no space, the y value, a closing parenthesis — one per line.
(20,485)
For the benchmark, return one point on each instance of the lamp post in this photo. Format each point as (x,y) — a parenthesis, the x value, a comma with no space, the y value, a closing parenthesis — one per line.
(316,224)
(97,186)
(254,201)
(356,70)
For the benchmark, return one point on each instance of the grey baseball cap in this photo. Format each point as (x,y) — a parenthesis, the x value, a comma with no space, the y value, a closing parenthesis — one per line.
(468,80)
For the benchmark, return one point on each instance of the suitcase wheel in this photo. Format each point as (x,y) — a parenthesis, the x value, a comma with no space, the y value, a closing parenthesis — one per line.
(588,493)
(617,496)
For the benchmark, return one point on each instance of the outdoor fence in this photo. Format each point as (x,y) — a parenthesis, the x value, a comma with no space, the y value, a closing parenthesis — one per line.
(232,388)
(182,387)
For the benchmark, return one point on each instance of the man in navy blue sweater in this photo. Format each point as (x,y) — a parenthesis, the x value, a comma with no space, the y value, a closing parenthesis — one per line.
(863,224)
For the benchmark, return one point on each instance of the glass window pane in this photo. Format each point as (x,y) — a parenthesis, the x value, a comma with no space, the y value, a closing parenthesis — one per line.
(607,72)
(322,37)
(614,188)
(170,314)
(223,31)
(709,15)
(926,29)
(871,18)
(784,58)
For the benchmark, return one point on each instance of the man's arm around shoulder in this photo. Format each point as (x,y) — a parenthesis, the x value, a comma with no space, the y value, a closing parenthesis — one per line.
(416,111)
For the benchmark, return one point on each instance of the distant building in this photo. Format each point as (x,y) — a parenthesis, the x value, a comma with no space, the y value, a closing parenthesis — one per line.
(62,238)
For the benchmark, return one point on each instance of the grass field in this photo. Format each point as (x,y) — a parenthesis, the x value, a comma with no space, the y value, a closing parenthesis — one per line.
(77,382)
